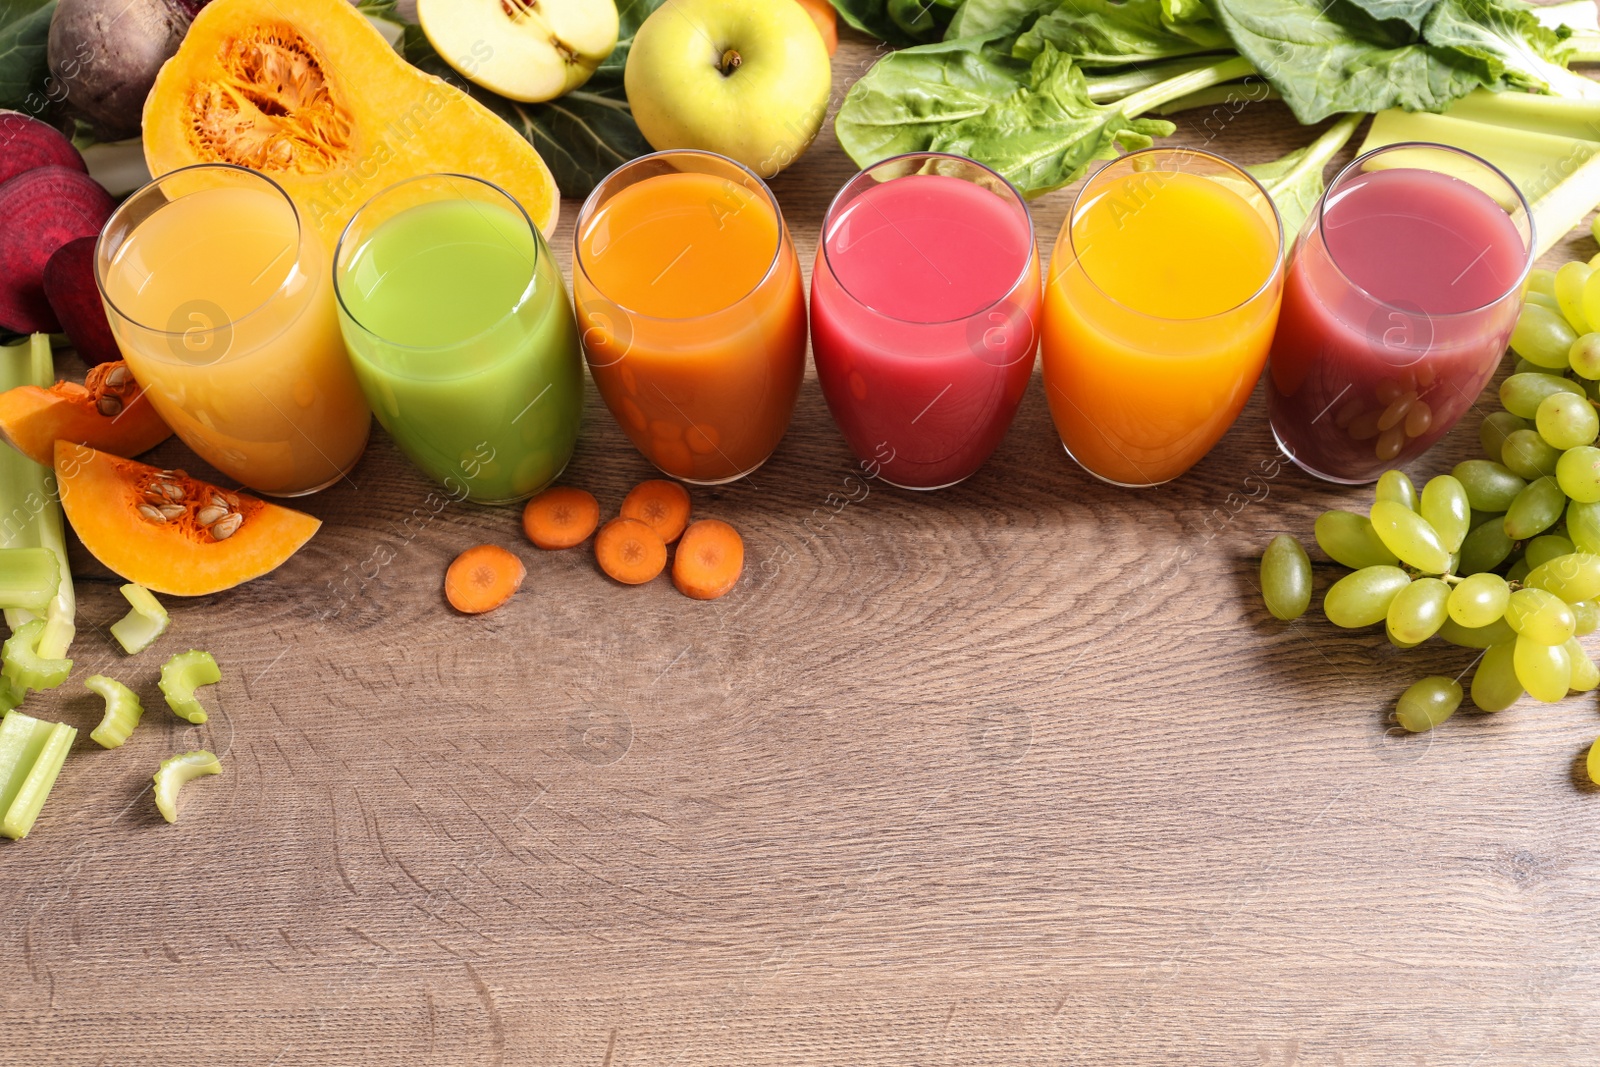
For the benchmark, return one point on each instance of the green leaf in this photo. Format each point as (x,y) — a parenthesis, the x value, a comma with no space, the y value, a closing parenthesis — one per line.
(582,136)
(979,18)
(24,27)
(1032,122)
(898,22)
(1112,33)
(1314,55)
(1508,44)
(1295,182)
(1409,12)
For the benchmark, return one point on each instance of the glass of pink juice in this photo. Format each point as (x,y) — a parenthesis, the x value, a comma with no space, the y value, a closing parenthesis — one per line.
(925,304)
(1404,287)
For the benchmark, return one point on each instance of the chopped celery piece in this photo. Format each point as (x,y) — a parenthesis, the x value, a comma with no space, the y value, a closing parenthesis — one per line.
(10,695)
(29,578)
(23,666)
(181,676)
(123,711)
(29,499)
(178,770)
(31,755)
(139,628)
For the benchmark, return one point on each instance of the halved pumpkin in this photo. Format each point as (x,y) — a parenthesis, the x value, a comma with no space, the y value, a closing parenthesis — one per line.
(109,412)
(169,532)
(310,94)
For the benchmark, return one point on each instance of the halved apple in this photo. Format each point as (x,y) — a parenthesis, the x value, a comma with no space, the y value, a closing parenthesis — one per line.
(528,50)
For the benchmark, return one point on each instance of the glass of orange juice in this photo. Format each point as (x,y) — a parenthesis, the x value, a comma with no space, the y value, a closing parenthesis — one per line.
(1159,313)
(222,303)
(692,312)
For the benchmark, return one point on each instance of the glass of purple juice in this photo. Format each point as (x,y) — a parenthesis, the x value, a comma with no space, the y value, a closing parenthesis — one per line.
(1402,291)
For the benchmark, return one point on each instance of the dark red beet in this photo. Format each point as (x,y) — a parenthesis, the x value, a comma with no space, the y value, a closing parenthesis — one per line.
(26,143)
(43,209)
(75,298)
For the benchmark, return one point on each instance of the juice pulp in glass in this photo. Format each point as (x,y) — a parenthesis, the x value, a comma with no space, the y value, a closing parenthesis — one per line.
(1392,321)
(1156,322)
(693,313)
(463,338)
(252,377)
(924,322)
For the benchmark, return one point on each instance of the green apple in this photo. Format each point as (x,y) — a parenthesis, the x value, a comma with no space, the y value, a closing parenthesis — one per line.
(747,78)
(528,50)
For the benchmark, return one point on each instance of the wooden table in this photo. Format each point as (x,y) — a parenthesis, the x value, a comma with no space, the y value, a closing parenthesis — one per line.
(1016,773)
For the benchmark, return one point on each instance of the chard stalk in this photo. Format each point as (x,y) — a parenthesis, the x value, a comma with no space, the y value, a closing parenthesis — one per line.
(1193,81)
(1107,87)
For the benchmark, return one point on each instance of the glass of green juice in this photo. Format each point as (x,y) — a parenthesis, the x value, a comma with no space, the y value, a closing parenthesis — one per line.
(458,325)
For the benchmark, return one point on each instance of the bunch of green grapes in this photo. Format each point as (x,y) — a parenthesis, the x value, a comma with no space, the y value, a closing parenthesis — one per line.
(1503,553)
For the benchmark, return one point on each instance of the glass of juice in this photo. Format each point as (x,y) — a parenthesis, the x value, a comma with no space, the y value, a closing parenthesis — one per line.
(1163,295)
(925,308)
(1402,293)
(692,312)
(222,303)
(460,330)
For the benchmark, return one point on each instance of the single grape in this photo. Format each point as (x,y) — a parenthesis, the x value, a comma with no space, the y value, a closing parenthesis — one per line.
(1566,421)
(1584,356)
(1486,547)
(1586,615)
(1494,430)
(1546,547)
(1544,670)
(1589,298)
(1528,455)
(1490,486)
(1517,571)
(1585,675)
(1363,597)
(1540,616)
(1540,281)
(1286,578)
(1495,633)
(1427,703)
(1521,394)
(1409,536)
(1571,295)
(1417,611)
(1349,539)
(1479,600)
(1543,336)
(1494,685)
(1571,577)
(1578,473)
(1592,765)
(1583,525)
(1395,486)
(1535,510)
(1444,504)
(1544,300)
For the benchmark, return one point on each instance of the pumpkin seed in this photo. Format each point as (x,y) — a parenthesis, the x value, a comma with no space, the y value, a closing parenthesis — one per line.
(172,492)
(211,515)
(172,511)
(118,377)
(227,527)
(109,405)
(151,513)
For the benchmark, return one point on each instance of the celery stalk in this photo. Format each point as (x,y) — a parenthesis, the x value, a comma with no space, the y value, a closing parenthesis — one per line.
(30,510)
(24,667)
(139,628)
(29,578)
(31,755)
(123,711)
(175,772)
(10,695)
(181,676)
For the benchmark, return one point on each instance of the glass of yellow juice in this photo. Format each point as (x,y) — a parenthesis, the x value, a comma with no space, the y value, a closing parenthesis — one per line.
(1163,296)
(222,304)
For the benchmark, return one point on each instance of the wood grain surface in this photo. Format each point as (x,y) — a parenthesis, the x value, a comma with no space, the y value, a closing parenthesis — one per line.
(1015,773)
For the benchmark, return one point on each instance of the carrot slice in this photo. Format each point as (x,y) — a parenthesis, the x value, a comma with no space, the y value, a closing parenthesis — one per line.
(562,517)
(827,20)
(661,505)
(709,560)
(482,578)
(630,551)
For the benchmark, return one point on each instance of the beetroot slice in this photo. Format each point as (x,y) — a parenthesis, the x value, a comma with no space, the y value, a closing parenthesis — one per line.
(26,143)
(43,209)
(70,287)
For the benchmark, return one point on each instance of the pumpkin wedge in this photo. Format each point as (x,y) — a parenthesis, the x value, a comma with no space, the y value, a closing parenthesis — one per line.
(169,532)
(109,411)
(310,94)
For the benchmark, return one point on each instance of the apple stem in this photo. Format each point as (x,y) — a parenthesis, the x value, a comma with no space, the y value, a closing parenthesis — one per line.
(731,61)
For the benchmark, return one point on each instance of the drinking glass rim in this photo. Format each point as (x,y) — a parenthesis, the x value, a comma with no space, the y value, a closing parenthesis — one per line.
(1016,197)
(137,194)
(1277,221)
(590,206)
(344,234)
(1529,254)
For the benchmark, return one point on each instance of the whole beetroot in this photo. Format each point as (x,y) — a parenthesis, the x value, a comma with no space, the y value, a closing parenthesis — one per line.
(106,53)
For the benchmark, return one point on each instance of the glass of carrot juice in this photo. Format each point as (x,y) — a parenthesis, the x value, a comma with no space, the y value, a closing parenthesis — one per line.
(692,312)
(1159,313)
(222,303)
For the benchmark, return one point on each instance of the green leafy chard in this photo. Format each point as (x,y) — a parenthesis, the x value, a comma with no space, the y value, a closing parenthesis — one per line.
(979,18)
(24,74)
(1295,182)
(1509,45)
(898,22)
(1114,33)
